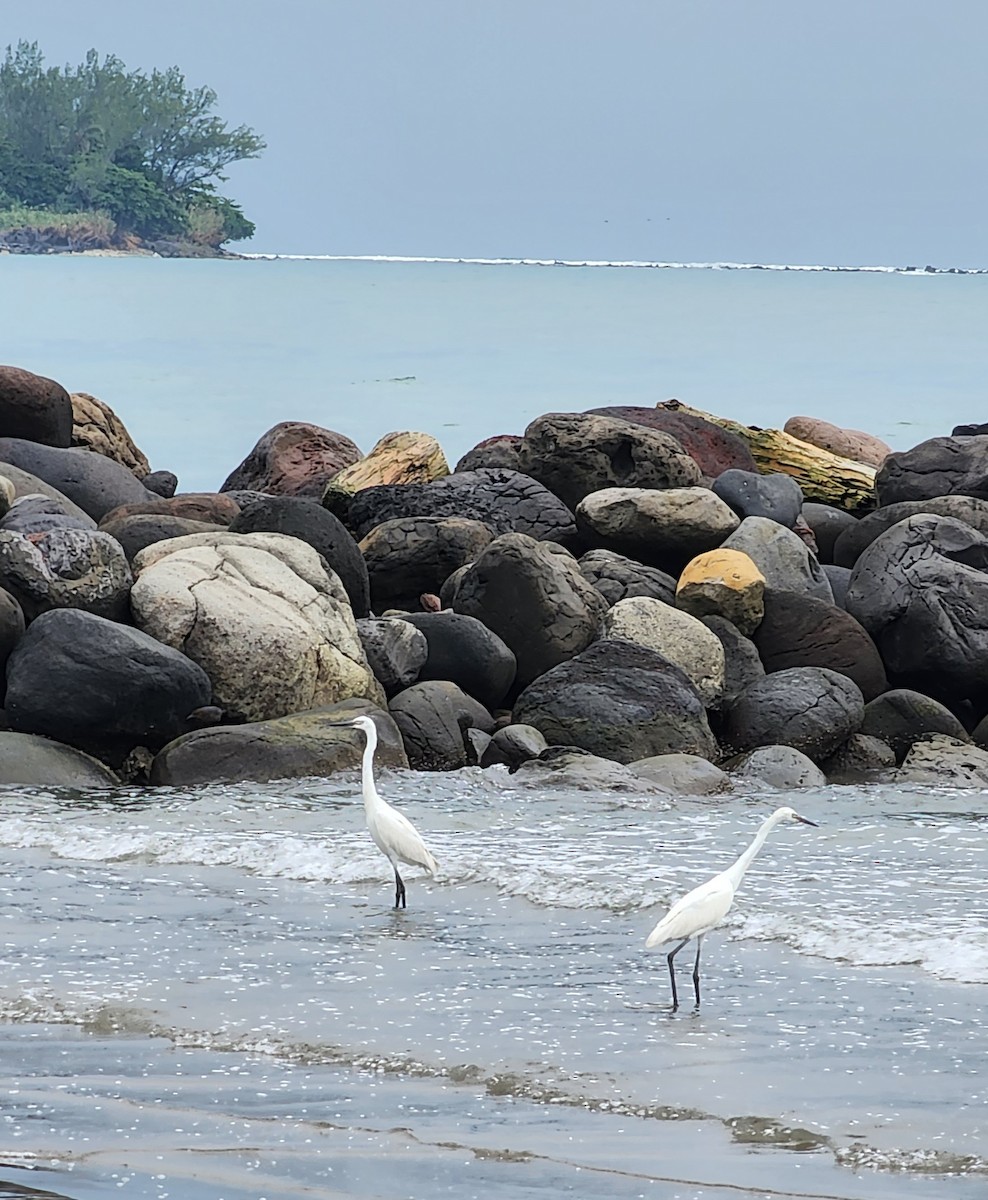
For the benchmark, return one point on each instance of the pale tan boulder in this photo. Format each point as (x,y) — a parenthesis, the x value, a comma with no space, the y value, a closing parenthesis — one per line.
(397,458)
(95,426)
(656,525)
(677,636)
(270,625)
(8,494)
(723,583)
(849,443)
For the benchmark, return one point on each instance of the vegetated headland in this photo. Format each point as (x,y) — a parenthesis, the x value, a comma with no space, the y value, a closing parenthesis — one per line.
(99,158)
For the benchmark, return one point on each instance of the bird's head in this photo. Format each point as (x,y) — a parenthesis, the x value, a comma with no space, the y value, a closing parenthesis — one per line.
(363,723)
(790,814)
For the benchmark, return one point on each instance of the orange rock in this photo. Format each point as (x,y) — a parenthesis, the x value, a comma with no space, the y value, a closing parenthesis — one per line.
(723,583)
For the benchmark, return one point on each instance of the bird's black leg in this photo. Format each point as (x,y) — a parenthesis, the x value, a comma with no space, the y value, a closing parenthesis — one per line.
(672,972)
(399,891)
(696,971)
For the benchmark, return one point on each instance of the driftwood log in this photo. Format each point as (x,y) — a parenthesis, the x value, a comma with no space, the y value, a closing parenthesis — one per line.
(825,477)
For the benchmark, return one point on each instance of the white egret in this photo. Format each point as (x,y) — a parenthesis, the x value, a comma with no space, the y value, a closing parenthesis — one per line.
(706,906)
(393,833)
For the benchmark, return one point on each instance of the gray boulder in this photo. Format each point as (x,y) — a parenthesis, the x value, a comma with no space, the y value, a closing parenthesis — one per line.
(162,483)
(660,528)
(840,579)
(396,651)
(499,451)
(683,774)
(99,686)
(781,556)
(30,761)
(828,524)
(574,454)
(536,601)
(901,717)
(297,746)
(25,484)
(464,651)
(620,701)
(742,662)
(512,745)
(618,578)
(411,555)
(93,481)
(574,769)
(781,767)
(852,542)
(12,627)
(506,501)
(860,759)
(811,709)
(945,761)
(66,568)
(677,636)
(801,631)
(751,494)
(38,514)
(433,718)
(921,592)
(140,530)
(940,466)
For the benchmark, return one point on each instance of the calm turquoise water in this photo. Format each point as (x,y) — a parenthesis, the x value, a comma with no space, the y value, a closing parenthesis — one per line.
(199,358)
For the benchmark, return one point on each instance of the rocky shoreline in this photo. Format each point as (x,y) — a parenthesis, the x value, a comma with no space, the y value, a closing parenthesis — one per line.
(647,599)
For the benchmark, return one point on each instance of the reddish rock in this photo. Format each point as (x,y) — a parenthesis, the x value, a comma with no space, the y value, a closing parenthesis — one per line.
(714,449)
(848,443)
(212,507)
(35,408)
(293,459)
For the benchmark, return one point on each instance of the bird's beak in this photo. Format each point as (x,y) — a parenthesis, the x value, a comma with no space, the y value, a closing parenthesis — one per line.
(807,821)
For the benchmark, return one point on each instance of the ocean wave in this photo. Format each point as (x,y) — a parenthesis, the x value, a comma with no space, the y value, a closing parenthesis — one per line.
(633,263)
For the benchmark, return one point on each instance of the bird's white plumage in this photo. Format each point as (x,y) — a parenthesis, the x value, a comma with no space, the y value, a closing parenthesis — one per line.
(394,835)
(695,913)
(706,906)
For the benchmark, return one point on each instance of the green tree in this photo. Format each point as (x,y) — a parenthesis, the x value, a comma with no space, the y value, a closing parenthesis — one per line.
(146,149)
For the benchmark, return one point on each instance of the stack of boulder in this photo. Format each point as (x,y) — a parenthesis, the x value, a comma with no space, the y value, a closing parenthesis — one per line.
(647,599)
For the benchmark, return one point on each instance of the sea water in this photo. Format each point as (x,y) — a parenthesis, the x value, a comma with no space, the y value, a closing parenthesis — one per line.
(199,358)
(204,993)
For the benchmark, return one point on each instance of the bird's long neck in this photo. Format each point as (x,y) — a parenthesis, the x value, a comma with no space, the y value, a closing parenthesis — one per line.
(367,769)
(737,872)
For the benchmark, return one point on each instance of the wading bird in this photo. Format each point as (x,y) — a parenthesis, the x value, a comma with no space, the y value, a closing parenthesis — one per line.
(706,906)
(393,833)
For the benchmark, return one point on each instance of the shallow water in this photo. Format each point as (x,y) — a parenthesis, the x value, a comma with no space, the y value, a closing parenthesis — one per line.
(205,993)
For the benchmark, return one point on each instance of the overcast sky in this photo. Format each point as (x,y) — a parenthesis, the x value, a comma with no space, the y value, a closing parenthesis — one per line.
(838,132)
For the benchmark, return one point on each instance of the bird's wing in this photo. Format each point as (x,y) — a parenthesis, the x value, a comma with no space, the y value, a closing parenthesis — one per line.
(697,911)
(398,837)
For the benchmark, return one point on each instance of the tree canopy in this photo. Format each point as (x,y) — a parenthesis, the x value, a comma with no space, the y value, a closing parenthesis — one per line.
(145,149)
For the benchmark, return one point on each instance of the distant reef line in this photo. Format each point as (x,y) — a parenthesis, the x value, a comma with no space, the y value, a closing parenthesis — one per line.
(87,234)
(616,263)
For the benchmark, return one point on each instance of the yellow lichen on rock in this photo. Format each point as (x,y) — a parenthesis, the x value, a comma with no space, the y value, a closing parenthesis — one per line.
(724,583)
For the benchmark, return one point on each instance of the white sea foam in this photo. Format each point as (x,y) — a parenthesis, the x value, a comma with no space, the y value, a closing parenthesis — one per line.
(616,263)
